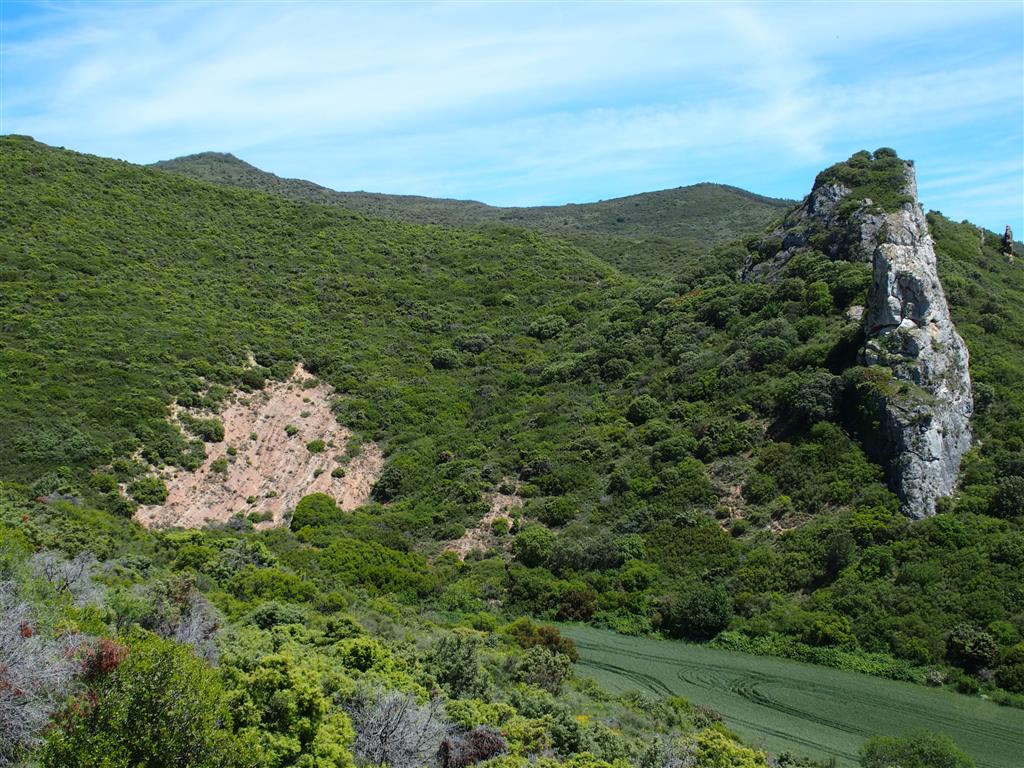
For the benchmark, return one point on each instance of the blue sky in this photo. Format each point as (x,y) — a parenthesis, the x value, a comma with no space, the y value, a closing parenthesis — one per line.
(535,103)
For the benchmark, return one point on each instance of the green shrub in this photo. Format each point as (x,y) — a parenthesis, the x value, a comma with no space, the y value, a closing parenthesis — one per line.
(547,327)
(103,482)
(642,409)
(388,485)
(970,647)
(533,545)
(159,706)
(210,430)
(558,510)
(454,660)
(316,510)
(918,749)
(538,666)
(699,613)
(316,446)
(444,359)
(148,490)
(474,342)
(1008,500)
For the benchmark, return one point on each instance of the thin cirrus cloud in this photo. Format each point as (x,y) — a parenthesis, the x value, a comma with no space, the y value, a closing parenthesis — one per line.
(534,103)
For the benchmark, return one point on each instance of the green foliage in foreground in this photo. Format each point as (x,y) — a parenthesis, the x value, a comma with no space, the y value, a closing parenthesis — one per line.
(177,661)
(156,705)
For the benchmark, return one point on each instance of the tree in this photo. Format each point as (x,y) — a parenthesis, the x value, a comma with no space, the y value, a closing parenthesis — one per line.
(1008,501)
(533,545)
(528,635)
(542,668)
(444,358)
(455,662)
(970,647)
(285,705)
(161,707)
(547,327)
(642,409)
(388,485)
(811,397)
(699,613)
(917,749)
(316,509)
(1010,674)
(148,490)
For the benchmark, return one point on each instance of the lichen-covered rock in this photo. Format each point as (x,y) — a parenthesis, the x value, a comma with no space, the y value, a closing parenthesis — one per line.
(908,330)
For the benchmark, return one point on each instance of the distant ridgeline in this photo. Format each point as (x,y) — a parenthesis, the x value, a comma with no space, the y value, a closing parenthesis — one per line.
(645,234)
(693,421)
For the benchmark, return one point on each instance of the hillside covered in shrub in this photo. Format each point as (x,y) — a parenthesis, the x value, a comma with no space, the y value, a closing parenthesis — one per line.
(646,234)
(689,453)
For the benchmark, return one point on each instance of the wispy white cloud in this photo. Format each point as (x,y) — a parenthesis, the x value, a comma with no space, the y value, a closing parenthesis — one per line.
(519,102)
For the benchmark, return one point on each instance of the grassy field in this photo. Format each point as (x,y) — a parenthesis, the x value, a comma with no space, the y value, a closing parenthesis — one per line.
(785,705)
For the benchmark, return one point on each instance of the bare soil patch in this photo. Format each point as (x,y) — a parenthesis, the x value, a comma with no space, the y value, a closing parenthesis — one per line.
(481,536)
(271,470)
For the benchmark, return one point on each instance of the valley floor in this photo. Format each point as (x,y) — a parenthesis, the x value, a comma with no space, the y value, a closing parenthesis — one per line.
(781,705)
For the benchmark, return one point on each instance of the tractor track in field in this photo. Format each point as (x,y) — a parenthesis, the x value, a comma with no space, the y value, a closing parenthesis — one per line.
(780,704)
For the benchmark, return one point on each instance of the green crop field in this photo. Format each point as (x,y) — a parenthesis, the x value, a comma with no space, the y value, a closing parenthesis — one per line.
(786,705)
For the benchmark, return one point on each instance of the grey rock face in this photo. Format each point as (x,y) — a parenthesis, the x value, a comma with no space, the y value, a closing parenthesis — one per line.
(923,400)
(925,415)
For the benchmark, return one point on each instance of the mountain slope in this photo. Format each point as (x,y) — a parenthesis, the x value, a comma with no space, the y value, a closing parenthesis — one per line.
(674,223)
(680,450)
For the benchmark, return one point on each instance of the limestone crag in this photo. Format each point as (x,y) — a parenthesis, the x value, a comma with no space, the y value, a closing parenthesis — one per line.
(925,417)
(921,399)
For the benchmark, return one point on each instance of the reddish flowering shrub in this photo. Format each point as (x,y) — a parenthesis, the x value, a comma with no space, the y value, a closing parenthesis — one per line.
(103,658)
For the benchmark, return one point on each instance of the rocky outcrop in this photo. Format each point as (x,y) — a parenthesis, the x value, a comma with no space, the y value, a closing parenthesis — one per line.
(925,413)
(818,222)
(919,396)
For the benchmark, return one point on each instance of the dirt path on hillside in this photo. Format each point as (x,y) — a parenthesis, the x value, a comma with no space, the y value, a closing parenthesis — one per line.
(271,470)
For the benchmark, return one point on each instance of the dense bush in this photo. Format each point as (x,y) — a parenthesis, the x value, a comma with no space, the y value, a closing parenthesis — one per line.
(159,706)
(699,613)
(533,545)
(920,749)
(148,490)
(316,510)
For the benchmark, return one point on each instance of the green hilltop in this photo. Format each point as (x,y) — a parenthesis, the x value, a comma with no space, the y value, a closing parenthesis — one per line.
(644,234)
(682,447)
